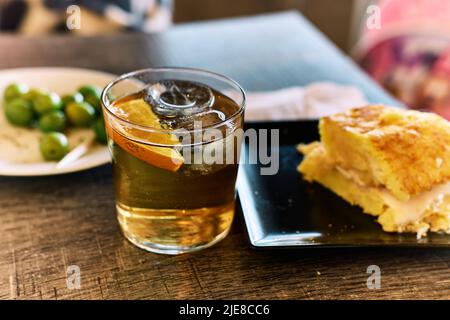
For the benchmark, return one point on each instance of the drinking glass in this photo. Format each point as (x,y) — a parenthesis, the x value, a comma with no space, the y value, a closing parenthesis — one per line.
(174,135)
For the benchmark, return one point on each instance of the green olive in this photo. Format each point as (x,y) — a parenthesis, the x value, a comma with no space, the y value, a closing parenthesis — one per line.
(54,120)
(76,97)
(31,96)
(19,112)
(91,95)
(33,93)
(46,101)
(99,129)
(54,146)
(80,114)
(14,90)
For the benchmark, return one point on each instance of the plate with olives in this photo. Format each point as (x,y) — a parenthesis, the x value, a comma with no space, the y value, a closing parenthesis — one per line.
(47,115)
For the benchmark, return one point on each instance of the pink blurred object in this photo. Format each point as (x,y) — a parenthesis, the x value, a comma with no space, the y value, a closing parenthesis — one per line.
(400,17)
(410,53)
(442,65)
(437,89)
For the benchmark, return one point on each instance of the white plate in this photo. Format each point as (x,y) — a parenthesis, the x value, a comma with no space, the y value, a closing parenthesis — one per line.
(19,147)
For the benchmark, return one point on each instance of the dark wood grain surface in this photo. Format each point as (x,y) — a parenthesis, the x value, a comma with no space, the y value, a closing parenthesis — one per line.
(49,223)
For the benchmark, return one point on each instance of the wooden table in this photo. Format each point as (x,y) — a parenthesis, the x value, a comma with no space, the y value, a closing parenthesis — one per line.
(49,223)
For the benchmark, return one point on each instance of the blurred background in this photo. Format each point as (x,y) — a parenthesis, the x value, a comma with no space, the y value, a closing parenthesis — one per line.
(403,44)
(339,19)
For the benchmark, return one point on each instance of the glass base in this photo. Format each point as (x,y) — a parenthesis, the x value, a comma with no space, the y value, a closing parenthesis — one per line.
(172,250)
(174,231)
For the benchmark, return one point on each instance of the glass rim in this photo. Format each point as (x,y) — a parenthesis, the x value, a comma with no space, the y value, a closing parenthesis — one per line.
(107,103)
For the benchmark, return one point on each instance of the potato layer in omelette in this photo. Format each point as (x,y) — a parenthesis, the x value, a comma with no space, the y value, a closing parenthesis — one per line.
(393,163)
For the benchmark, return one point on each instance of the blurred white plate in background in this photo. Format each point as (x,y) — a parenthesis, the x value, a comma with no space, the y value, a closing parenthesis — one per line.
(19,147)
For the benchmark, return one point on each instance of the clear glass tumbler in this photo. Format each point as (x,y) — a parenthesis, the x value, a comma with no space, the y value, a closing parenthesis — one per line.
(174,135)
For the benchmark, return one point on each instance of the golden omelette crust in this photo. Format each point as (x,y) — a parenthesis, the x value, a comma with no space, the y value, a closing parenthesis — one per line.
(406,151)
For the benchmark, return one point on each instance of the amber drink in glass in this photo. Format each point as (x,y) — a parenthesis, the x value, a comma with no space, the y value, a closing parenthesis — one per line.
(174,137)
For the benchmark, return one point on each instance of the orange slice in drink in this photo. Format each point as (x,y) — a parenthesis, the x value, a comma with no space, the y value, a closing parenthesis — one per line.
(139,112)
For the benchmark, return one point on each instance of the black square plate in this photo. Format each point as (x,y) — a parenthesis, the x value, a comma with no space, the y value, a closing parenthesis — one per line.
(283,210)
